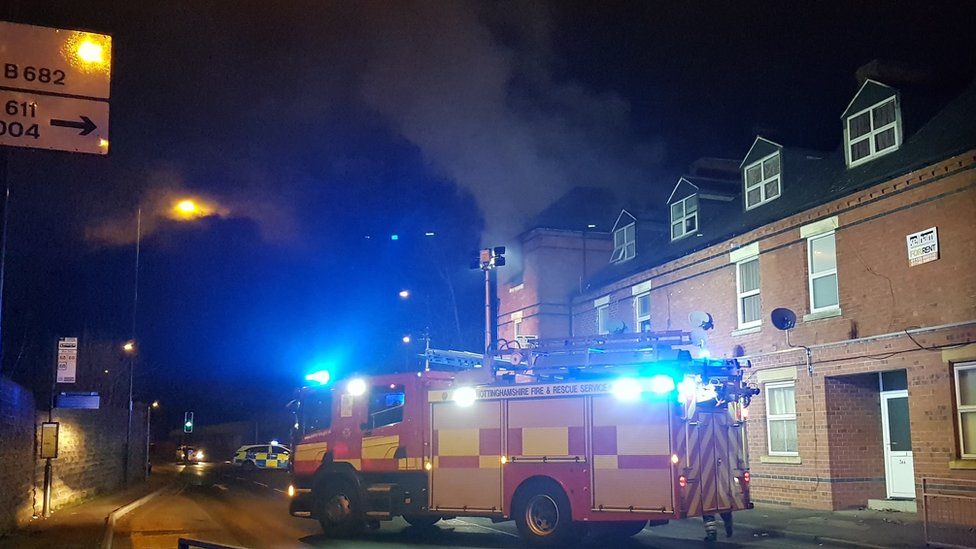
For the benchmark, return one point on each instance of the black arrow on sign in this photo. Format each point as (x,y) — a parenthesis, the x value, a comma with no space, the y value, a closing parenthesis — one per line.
(86,125)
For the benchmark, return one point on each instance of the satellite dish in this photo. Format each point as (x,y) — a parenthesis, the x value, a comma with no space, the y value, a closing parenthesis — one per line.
(617,327)
(701,319)
(699,337)
(783,319)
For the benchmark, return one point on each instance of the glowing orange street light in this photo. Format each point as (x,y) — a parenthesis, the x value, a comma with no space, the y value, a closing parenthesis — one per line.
(129,346)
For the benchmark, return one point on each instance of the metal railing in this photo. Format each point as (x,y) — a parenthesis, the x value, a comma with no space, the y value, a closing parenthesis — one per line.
(949,512)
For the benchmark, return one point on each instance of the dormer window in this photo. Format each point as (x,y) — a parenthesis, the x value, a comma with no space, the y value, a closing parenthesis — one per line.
(873,132)
(684,217)
(624,243)
(762,180)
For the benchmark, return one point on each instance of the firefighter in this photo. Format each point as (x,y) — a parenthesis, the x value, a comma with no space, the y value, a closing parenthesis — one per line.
(711,529)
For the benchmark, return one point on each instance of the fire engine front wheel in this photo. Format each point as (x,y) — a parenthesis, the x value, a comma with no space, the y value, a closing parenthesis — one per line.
(337,507)
(543,515)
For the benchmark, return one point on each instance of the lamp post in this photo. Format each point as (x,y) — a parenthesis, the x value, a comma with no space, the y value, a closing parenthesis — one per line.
(149,410)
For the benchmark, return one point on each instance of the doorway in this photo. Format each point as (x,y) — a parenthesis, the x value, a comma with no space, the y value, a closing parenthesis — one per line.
(897,434)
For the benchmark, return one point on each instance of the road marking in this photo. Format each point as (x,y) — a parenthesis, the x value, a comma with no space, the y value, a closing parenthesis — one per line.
(277,490)
(260,484)
(221,486)
(485,527)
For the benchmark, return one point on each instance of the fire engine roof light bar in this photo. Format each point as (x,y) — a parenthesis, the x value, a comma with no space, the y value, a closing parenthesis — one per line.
(661,384)
(321,377)
(627,389)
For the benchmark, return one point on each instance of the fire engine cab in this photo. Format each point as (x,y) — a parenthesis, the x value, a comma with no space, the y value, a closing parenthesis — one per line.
(605,435)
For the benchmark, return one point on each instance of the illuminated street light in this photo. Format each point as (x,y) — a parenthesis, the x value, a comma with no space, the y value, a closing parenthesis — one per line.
(91,52)
(129,346)
(155,404)
(404,294)
(405,339)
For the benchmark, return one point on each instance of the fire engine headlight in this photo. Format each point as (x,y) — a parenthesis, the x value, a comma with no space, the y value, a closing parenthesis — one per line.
(661,384)
(356,387)
(464,396)
(627,389)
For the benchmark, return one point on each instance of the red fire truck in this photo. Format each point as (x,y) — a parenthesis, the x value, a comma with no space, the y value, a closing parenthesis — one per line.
(605,435)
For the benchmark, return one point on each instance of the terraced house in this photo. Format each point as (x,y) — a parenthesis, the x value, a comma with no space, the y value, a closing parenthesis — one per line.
(871,397)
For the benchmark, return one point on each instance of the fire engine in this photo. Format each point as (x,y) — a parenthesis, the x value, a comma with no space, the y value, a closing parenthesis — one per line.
(603,435)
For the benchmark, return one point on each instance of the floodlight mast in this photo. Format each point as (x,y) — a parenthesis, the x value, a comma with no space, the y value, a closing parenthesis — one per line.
(488,260)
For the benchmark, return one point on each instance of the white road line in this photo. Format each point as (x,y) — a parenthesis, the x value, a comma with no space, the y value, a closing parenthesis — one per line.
(260,484)
(277,490)
(496,530)
(221,486)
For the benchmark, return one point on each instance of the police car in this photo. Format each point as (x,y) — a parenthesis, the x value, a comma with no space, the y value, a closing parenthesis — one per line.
(262,456)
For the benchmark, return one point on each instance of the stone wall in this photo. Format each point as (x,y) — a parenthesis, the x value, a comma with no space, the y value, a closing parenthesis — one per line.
(90,455)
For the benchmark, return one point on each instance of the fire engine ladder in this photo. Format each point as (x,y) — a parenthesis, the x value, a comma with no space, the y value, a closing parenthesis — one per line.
(440,359)
(568,356)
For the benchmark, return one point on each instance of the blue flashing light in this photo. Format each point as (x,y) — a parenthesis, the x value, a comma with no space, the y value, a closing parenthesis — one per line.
(394,237)
(661,384)
(321,377)
(627,389)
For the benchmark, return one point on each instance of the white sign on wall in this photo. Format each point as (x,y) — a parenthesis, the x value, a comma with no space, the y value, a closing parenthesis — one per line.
(67,359)
(923,246)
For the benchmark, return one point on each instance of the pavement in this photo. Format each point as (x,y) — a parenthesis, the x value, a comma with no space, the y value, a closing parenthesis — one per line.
(217,503)
(79,526)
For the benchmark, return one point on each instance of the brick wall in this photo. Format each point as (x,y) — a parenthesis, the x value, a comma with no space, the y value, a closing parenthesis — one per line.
(855,440)
(90,455)
(17,454)
(879,294)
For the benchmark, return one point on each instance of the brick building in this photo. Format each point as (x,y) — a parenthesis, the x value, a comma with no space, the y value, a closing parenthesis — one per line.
(873,246)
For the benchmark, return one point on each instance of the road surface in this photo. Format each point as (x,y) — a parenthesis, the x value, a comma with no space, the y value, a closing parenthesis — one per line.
(217,503)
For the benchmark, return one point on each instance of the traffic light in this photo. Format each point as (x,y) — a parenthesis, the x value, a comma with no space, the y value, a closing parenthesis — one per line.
(188,422)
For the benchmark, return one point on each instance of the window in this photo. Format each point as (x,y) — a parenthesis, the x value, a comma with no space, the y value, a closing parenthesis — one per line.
(872,132)
(966,408)
(747,286)
(624,243)
(762,181)
(642,312)
(684,217)
(317,411)
(781,418)
(385,405)
(822,272)
(603,319)
(516,328)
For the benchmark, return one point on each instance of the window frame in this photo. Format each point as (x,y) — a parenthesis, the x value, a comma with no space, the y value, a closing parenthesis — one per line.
(740,295)
(685,216)
(962,409)
(780,417)
(516,328)
(872,133)
(386,390)
(811,276)
(638,318)
(763,180)
(602,324)
(620,252)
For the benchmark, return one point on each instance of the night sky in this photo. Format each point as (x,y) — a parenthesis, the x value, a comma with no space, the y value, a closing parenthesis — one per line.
(309,126)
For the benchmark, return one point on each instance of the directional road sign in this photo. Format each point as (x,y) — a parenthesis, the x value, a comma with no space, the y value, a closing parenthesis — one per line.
(54,88)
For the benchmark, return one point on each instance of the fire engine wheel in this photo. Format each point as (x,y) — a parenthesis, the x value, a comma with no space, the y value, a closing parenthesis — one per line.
(337,507)
(543,515)
(421,521)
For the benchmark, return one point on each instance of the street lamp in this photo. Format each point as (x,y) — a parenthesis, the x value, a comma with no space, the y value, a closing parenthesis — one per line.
(404,294)
(405,339)
(129,347)
(149,411)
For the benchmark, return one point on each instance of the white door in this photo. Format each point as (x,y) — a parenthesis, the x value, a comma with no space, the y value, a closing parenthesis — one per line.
(899,464)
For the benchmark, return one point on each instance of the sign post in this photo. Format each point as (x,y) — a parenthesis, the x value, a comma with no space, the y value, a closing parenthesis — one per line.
(67,359)
(54,88)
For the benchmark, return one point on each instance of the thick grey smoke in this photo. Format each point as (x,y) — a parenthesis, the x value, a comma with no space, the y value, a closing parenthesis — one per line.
(489,114)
